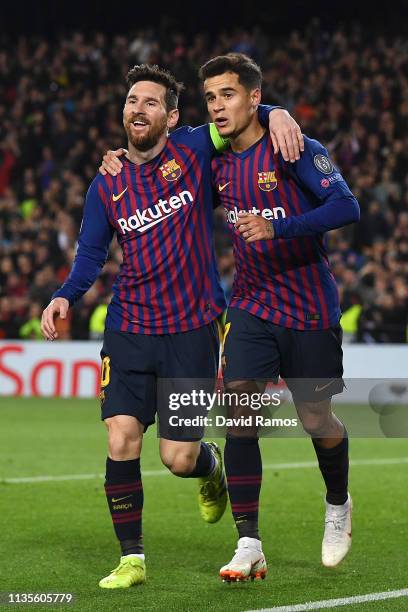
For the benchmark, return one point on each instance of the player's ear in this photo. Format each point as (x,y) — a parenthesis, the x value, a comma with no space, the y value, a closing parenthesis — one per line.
(172,118)
(256,97)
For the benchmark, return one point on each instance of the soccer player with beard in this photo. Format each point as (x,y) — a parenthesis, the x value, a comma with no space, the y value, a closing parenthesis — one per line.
(161,322)
(283,317)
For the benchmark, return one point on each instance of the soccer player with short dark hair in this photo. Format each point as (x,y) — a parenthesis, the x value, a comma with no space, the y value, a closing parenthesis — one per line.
(161,322)
(283,317)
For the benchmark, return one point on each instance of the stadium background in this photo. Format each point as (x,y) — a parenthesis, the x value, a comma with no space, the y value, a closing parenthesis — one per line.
(62,91)
(342,71)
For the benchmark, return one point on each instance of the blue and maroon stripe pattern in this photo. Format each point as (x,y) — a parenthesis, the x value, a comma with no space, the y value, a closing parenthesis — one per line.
(286,281)
(162,214)
(168,281)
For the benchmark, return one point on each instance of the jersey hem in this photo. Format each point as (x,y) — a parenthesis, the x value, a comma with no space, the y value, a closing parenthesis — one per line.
(291,324)
(132,328)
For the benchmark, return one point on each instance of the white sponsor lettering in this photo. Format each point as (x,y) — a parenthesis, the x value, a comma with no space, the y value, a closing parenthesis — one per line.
(143,220)
(175,202)
(267,213)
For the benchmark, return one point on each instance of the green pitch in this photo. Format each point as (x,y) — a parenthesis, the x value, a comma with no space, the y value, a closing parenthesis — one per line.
(57,536)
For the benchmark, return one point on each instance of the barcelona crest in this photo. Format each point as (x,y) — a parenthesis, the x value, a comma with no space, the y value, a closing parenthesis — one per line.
(267,181)
(171,170)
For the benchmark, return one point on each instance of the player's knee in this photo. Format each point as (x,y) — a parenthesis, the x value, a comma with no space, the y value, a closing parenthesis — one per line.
(315,423)
(123,447)
(180,463)
(316,417)
(123,444)
(240,414)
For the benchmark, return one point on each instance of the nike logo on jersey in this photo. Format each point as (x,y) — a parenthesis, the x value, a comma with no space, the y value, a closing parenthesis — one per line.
(115,198)
(118,499)
(222,187)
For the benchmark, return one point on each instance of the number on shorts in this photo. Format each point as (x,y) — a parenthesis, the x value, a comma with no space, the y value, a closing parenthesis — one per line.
(105,373)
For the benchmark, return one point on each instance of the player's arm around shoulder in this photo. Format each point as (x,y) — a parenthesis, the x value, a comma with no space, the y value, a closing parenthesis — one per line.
(285,133)
(111,163)
(203,138)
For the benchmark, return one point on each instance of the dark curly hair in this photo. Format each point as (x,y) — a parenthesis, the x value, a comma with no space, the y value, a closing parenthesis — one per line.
(147,72)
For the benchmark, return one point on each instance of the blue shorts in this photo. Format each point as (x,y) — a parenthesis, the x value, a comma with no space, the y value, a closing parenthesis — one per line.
(310,362)
(139,371)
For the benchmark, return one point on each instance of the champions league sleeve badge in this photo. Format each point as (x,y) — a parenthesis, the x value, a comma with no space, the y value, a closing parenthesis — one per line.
(323,164)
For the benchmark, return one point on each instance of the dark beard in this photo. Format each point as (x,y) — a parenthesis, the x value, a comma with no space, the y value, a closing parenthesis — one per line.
(144,143)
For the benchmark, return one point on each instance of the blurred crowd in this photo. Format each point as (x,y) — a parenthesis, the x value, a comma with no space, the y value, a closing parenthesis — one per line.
(60,110)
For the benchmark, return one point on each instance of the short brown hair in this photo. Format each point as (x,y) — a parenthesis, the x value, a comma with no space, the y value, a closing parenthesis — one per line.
(249,73)
(148,72)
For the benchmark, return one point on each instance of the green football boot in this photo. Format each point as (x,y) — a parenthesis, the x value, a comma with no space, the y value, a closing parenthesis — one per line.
(130,571)
(212,496)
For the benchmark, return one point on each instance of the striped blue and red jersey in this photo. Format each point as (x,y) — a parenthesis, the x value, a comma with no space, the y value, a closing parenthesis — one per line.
(286,280)
(162,214)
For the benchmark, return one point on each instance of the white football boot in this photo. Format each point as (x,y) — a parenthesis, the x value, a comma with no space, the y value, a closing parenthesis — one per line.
(337,533)
(248,563)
